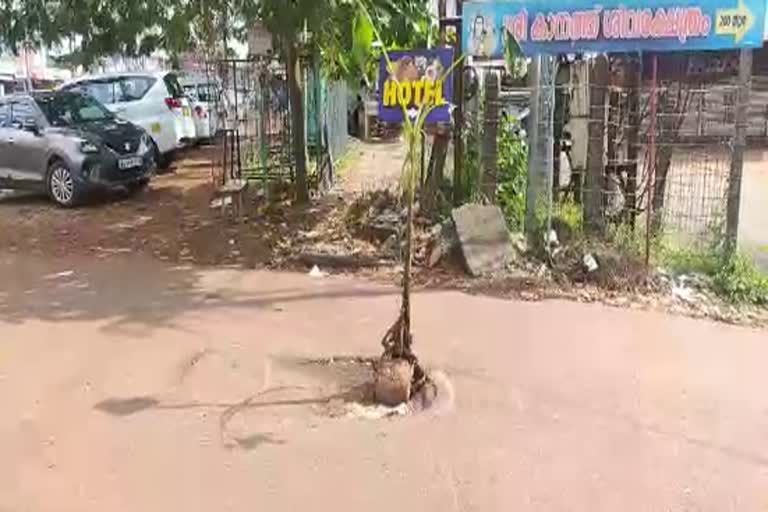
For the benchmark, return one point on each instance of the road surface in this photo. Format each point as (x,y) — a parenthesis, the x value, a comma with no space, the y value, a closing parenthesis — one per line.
(130,385)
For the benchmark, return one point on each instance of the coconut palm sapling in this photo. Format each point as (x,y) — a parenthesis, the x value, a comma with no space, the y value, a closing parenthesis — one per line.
(398,341)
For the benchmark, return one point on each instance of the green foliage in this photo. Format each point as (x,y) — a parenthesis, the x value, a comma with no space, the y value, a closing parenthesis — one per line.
(735,278)
(570,214)
(472,165)
(513,174)
(514,59)
(680,260)
(350,55)
(628,240)
(139,27)
(739,281)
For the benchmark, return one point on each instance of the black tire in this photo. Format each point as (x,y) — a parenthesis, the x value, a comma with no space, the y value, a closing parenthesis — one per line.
(162,162)
(61,185)
(138,187)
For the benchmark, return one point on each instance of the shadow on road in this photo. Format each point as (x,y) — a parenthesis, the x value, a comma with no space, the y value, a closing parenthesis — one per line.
(133,296)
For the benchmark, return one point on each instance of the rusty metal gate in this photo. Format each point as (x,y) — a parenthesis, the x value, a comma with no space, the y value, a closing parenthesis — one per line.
(253,120)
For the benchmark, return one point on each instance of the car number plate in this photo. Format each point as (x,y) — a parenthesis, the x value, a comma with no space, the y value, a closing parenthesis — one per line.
(129,163)
(187,112)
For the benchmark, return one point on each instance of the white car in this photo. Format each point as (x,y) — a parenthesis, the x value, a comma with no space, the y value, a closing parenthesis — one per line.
(203,95)
(154,101)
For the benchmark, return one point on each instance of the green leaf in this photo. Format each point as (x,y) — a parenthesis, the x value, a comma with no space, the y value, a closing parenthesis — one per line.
(362,39)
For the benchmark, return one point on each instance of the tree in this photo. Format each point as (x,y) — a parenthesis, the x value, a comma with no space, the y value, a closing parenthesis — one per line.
(398,341)
(138,27)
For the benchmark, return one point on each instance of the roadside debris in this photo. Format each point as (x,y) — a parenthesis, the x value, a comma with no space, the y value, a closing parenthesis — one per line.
(316,272)
(484,238)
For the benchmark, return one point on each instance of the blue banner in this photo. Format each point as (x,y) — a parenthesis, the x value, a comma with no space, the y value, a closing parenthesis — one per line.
(417,80)
(581,26)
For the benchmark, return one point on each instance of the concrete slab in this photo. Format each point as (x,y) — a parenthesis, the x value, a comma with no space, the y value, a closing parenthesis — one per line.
(484,238)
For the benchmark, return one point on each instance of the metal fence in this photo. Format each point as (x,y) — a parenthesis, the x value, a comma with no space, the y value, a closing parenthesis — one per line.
(644,147)
(335,113)
(253,119)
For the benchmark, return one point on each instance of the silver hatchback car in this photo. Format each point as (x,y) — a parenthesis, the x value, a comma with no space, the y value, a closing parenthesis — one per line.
(67,144)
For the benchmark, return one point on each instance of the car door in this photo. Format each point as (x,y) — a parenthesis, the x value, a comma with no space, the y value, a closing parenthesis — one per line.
(129,99)
(5,153)
(27,148)
(143,103)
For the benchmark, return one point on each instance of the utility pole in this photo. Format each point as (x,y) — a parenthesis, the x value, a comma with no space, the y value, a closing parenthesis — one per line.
(737,155)
(541,79)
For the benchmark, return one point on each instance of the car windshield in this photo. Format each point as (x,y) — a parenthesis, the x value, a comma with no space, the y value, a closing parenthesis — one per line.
(67,109)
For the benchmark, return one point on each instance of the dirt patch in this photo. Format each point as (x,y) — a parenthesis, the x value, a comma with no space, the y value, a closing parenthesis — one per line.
(355,229)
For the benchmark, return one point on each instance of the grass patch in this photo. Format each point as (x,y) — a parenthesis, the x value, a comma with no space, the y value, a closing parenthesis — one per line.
(347,161)
(735,278)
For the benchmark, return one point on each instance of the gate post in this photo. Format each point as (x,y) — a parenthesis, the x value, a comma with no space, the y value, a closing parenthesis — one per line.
(737,154)
(596,146)
(491,121)
(541,78)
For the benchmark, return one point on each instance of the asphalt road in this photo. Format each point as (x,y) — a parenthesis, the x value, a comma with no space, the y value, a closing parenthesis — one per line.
(131,385)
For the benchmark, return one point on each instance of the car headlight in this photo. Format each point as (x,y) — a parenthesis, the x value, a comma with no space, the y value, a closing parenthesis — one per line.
(88,147)
(144,144)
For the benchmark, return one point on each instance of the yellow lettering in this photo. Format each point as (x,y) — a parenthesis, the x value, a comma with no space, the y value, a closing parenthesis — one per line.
(390,93)
(404,93)
(418,88)
(429,92)
(439,100)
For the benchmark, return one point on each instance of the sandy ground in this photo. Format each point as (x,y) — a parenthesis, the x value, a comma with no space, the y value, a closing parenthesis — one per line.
(131,384)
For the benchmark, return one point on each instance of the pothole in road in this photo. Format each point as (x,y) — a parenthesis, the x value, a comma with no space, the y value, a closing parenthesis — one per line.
(354,378)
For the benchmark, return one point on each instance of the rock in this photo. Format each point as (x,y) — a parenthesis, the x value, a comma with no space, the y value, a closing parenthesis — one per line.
(484,238)
(519,243)
(393,382)
(435,255)
(384,226)
(391,247)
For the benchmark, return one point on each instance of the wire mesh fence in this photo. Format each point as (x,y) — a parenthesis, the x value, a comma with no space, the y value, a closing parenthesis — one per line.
(253,120)
(641,147)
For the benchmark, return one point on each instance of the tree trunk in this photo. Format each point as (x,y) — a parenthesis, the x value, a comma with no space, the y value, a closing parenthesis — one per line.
(430,198)
(298,127)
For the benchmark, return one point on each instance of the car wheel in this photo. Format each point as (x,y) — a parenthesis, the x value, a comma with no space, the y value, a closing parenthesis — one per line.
(162,161)
(62,187)
(138,187)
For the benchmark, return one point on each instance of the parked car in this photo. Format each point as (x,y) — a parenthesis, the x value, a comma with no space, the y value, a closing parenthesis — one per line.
(154,101)
(68,144)
(203,95)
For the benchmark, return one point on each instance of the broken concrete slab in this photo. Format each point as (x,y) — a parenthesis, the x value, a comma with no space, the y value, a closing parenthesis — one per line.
(484,238)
